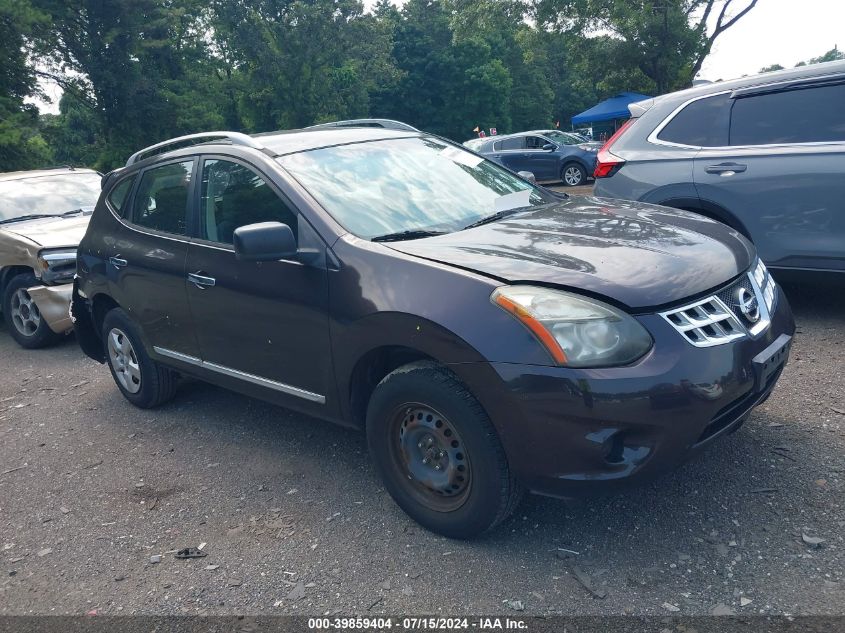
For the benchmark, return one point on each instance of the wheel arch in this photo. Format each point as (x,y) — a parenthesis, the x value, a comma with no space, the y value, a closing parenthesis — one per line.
(710,210)
(371,369)
(7,273)
(367,351)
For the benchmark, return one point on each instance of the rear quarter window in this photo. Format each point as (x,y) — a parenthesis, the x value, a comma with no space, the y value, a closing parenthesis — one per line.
(702,123)
(808,115)
(119,194)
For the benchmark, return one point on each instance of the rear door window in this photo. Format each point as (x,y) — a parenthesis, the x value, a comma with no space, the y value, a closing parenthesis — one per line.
(808,115)
(702,123)
(161,202)
(509,144)
(535,142)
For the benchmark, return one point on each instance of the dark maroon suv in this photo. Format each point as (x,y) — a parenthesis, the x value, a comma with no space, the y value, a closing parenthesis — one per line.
(490,336)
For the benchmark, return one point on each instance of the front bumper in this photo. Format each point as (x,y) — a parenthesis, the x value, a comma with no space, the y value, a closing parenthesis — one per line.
(54,305)
(568,432)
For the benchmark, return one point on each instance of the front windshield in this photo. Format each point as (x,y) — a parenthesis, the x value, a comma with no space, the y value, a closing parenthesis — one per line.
(410,184)
(51,194)
(564,137)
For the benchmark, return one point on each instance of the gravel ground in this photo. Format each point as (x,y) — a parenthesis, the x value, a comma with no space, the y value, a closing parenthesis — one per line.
(295,521)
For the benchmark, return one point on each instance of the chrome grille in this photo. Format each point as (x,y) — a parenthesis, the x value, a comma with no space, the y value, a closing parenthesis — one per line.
(739,310)
(705,323)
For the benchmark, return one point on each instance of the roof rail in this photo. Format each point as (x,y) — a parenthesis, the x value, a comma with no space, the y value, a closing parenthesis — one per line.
(236,138)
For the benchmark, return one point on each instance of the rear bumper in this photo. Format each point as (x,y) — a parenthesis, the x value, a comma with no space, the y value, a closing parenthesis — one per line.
(571,432)
(53,303)
(83,326)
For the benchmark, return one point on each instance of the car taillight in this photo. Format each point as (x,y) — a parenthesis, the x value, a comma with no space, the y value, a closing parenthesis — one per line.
(607,163)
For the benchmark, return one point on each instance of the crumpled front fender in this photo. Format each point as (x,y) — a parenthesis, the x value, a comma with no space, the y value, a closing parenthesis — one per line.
(54,304)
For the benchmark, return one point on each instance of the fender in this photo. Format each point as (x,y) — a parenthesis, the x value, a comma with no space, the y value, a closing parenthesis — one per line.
(706,208)
(415,337)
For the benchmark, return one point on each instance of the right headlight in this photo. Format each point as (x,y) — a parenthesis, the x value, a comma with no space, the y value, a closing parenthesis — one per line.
(576,331)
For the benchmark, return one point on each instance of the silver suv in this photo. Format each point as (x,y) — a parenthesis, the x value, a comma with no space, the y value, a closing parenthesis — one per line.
(763,154)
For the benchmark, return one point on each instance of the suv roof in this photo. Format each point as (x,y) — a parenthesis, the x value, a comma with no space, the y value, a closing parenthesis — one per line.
(779,76)
(271,143)
(37,173)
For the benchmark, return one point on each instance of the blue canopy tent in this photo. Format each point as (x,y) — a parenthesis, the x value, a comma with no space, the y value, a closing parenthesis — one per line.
(609,110)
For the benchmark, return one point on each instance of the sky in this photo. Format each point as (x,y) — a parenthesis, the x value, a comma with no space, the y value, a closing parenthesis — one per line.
(781,32)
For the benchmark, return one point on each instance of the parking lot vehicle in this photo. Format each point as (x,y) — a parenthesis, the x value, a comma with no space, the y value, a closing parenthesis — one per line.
(547,159)
(489,335)
(571,138)
(43,215)
(764,154)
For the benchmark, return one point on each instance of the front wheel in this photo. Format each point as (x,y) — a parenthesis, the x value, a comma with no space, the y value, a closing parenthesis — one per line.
(573,175)
(438,453)
(23,318)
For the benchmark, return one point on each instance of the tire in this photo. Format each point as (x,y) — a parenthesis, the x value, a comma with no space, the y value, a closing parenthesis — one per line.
(573,175)
(141,380)
(23,319)
(422,411)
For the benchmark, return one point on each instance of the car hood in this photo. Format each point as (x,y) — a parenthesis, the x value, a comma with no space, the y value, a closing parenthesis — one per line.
(637,254)
(51,232)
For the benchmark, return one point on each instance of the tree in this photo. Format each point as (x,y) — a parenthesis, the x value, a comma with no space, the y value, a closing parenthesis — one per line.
(139,65)
(21,144)
(298,63)
(665,41)
(834,54)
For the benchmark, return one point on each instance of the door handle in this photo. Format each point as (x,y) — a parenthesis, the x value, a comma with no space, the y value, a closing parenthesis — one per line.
(201,281)
(726,169)
(117,262)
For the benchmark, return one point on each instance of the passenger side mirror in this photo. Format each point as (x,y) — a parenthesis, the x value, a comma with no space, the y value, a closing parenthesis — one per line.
(527,175)
(264,242)
(550,147)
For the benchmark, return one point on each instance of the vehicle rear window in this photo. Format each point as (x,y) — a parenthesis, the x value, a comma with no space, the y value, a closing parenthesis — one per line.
(162,199)
(703,123)
(118,194)
(809,115)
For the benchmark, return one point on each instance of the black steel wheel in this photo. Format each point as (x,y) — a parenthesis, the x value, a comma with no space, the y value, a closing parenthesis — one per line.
(438,453)
(430,451)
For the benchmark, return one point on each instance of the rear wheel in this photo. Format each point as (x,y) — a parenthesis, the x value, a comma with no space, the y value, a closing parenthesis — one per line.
(23,318)
(438,453)
(141,380)
(573,175)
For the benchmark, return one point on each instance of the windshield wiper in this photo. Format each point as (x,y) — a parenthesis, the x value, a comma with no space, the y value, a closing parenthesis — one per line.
(494,217)
(406,235)
(74,212)
(33,216)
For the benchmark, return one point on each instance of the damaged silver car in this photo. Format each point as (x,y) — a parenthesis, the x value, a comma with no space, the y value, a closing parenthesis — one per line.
(43,216)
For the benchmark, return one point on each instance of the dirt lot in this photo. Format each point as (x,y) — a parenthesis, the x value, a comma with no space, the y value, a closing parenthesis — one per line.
(295,521)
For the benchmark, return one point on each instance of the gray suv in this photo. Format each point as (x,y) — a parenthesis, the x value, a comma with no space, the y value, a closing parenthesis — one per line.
(763,154)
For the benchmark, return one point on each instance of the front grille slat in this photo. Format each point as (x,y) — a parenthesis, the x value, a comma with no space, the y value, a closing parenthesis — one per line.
(722,318)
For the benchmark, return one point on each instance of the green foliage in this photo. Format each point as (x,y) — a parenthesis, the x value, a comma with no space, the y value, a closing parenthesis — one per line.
(21,144)
(134,72)
(834,54)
